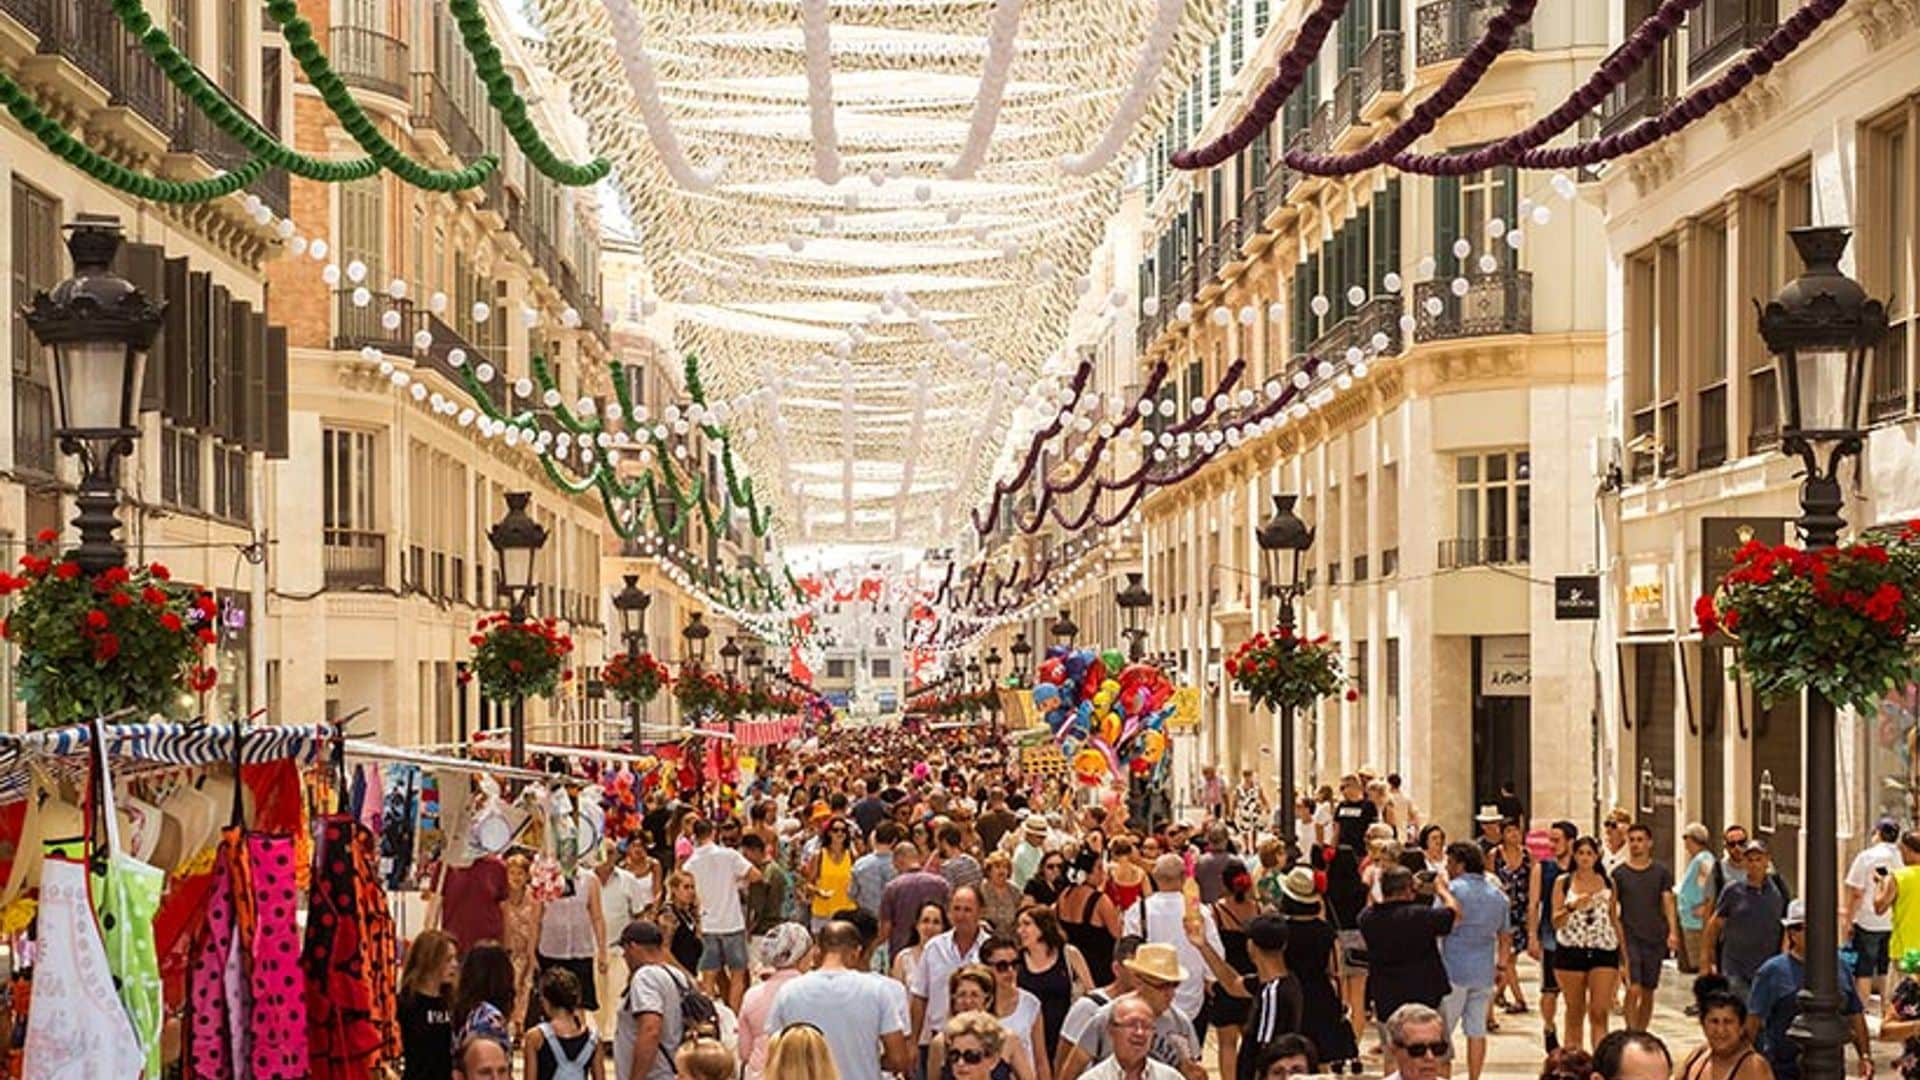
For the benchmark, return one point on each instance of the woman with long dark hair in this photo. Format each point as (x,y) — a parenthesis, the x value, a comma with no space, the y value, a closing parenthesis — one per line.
(483,995)
(1090,920)
(1586,924)
(1231,914)
(1051,969)
(426,1023)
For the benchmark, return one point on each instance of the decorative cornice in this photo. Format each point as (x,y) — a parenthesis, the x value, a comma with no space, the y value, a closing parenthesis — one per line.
(1756,107)
(1882,22)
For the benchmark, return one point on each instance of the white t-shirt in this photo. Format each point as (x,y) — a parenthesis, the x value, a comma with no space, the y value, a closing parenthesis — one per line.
(1110,1070)
(854,1010)
(939,959)
(718,873)
(651,989)
(621,902)
(1861,876)
(1020,1024)
(1160,917)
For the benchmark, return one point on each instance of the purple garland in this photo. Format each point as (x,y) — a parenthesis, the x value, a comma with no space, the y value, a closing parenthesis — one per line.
(1472,68)
(1019,479)
(1292,70)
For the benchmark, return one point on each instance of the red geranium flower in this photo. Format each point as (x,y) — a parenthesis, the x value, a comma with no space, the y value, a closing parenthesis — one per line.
(120,599)
(170,621)
(67,571)
(96,619)
(159,571)
(47,536)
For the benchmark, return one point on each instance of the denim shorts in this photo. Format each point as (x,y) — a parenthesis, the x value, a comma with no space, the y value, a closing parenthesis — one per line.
(726,952)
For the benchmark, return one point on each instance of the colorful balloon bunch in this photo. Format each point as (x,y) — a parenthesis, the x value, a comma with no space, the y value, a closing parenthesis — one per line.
(1109,716)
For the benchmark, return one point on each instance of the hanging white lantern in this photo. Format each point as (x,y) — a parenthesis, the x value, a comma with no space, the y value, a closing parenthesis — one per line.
(356,271)
(1391,281)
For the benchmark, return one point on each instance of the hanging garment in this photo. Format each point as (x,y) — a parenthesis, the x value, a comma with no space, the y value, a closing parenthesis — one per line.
(77,1029)
(349,958)
(126,898)
(248,1012)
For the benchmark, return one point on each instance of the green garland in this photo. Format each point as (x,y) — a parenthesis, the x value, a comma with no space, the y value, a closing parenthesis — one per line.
(299,34)
(512,108)
(55,138)
(191,81)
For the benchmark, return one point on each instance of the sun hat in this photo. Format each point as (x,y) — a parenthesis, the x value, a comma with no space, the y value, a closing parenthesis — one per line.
(1298,886)
(1488,814)
(1158,962)
(1796,914)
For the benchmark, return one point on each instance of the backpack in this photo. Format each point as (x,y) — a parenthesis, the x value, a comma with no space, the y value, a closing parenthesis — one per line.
(699,1018)
(570,1068)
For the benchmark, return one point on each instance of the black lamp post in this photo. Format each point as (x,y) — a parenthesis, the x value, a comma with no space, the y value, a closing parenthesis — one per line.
(517,540)
(1134,600)
(695,636)
(1063,630)
(1022,653)
(973,675)
(1824,331)
(1284,540)
(632,603)
(754,660)
(99,326)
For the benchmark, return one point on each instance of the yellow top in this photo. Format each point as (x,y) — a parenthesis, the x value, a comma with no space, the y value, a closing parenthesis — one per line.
(830,896)
(1905,912)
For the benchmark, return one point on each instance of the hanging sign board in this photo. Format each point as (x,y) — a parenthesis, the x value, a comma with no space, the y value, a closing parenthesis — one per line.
(1576,597)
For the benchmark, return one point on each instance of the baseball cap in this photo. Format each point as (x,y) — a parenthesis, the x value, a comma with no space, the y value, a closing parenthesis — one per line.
(642,932)
(1796,914)
(1753,846)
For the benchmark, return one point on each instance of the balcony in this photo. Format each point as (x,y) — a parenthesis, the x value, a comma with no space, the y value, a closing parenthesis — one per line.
(194,133)
(33,439)
(435,109)
(1496,303)
(1383,72)
(1448,29)
(445,340)
(369,60)
(1253,208)
(102,48)
(354,559)
(1458,554)
(1380,315)
(358,327)
(35,15)
(1712,412)
(1646,92)
(1718,29)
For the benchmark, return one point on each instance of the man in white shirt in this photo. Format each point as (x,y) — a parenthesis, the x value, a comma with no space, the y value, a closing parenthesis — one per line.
(719,873)
(1871,930)
(1417,1037)
(1160,918)
(863,1016)
(621,902)
(940,958)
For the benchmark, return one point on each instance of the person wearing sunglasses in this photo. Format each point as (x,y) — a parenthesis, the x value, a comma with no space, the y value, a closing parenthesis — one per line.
(1017,1010)
(1417,1035)
(973,990)
(974,1042)
(1045,885)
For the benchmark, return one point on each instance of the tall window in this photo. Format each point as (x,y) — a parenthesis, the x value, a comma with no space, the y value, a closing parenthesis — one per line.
(1711,348)
(1888,258)
(363,227)
(347,477)
(36,266)
(232,34)
(1492,509)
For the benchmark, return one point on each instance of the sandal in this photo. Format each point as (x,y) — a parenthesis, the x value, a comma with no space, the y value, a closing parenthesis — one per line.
(1518,1008)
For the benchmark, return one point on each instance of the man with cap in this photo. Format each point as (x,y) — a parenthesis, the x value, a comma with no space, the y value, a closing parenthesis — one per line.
(1775,1002)
(1744,931)
(1156,973)
(648,1030)
(1693,895)
(1277,1005)
(1031,849)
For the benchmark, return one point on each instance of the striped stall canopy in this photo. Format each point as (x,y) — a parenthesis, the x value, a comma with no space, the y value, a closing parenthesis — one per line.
(152,748)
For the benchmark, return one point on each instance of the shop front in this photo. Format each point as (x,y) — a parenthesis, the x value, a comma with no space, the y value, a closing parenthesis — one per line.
(1502,717)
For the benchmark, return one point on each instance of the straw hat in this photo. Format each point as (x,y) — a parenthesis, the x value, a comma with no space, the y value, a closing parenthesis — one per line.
(1488,814)
(1159,962)
(1298,886)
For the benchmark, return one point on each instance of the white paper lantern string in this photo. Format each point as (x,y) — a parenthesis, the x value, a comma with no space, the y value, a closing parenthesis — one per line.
(815,22)
(1133,104)
(1002,27)
(638,66)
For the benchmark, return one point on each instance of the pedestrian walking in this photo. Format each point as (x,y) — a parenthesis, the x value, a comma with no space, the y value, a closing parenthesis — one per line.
(1649,922)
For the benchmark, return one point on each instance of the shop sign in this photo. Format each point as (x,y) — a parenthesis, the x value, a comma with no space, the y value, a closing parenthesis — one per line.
(1186,710)
(1722,537)
(1656,791)
(1576,597)
(1647,609)
(1506,667)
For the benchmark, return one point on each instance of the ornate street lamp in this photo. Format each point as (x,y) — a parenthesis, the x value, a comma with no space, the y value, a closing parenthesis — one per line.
(1824,330)
(1063,630)
(1134,600)
(755,660)
(99,326)
(1022,653)
(1284,540)
(992,663)
(973,675)
(517,540)
(631,603)
(730,658)
(695,636)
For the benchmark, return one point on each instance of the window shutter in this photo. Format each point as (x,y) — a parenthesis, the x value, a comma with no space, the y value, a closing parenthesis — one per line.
(275,390)
(1389,236)
(199,345)
(146,266)
(219,347)
(234,387)
(1446,224)
(1509,213)
(177,343)
(254,428)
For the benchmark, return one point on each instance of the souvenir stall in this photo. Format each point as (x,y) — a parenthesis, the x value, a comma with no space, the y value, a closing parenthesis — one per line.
(1108,719)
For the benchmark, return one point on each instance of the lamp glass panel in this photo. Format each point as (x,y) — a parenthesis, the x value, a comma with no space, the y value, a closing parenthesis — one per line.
(93,375)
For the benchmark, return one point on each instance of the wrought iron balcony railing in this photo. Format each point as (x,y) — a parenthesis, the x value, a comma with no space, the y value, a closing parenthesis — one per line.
(1448,29)
(1468,551)
(370,60)
(1496,303)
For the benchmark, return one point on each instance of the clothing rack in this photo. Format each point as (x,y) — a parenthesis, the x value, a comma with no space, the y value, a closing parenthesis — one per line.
(152,748)
(576,753)
(368,750)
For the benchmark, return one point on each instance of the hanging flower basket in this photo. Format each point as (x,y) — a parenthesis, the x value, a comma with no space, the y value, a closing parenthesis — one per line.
(635,681)
(90,646)
(519,659)
(1835,620)
(701,692)
(1285,669)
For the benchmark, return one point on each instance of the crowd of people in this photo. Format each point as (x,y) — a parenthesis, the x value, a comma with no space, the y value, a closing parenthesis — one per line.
(917,909)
